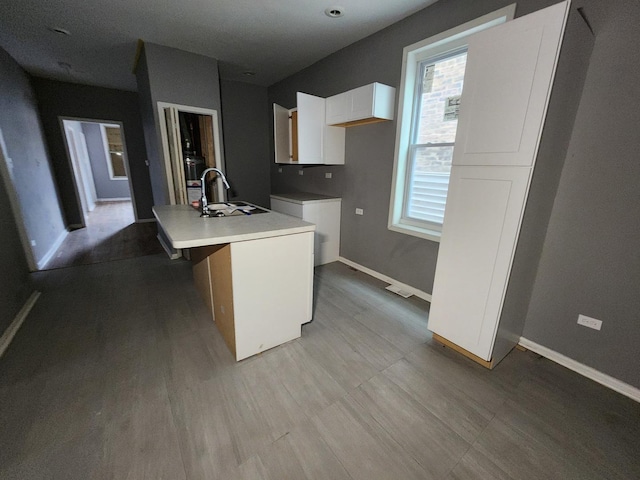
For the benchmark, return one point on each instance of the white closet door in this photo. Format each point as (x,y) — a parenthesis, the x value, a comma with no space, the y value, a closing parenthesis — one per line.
(507,84)
(478,239)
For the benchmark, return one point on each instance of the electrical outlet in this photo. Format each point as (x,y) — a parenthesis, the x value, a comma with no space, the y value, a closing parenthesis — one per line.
(279,169)
(359,211)
(328,175)
(589,322)
(300,172)
(33,243)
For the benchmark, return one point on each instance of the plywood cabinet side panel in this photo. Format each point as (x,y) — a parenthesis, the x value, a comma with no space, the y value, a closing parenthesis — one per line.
(220,270)
(202,282)
(295,151)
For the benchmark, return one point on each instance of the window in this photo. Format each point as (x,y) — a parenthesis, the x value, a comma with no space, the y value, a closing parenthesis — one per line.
(115,152)
(431,89)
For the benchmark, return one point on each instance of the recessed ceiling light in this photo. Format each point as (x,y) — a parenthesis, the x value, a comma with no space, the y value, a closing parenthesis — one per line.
(60,31)
(334,12)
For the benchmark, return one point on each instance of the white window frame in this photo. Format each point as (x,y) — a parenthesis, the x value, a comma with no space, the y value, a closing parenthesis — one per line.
(105,142)
(412,56)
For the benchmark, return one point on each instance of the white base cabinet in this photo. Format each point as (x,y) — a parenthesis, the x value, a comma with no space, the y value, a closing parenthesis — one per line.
(321,210)
(259,292)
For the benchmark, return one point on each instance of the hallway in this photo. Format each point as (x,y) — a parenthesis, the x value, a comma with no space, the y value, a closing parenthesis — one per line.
(110,234)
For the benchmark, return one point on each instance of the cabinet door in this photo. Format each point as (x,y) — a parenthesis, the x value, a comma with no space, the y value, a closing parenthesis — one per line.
(507,85)
(311,123)
(483,214)
(281,134)
(337,108)
(361,102)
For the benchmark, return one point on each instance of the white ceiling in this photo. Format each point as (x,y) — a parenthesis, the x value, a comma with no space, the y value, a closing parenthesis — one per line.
(273,38)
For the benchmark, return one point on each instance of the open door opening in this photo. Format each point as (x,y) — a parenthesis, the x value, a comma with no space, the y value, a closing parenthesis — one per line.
(190,144)
(108,230)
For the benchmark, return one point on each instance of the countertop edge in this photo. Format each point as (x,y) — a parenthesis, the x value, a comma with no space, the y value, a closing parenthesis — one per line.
(283,197)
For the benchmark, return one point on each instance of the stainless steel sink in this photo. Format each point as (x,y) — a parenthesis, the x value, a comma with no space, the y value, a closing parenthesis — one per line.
(234,209)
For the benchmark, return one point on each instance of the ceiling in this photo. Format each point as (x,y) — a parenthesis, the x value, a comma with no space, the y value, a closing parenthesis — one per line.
(272,38)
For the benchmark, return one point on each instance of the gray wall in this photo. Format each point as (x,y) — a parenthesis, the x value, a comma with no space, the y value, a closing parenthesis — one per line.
(56,99)
(15,283)
(170,75)
(590,259)
(246,140)
(32,174)
(106,188)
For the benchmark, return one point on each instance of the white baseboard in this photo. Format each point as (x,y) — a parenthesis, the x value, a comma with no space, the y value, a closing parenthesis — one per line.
(52,251)
(146,220)
(15,325)
(114,199)
(584,370)
(403,286)
(172,256)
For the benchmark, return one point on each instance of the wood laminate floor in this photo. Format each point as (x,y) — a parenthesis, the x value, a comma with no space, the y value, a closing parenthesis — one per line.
(118,373)
(111,234)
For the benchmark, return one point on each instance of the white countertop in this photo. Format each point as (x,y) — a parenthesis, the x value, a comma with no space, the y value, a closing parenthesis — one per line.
(185,229)
(304,197)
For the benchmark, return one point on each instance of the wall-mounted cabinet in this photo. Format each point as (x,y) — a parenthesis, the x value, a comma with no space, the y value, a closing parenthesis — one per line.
(368,104)
(302,136)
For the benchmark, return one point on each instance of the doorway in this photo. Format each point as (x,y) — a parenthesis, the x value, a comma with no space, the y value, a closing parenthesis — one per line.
(108,228)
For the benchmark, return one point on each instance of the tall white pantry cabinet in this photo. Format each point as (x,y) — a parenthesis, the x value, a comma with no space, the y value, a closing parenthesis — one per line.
(508,80)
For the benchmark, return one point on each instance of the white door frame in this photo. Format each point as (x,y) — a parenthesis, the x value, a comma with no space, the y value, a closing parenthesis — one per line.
(124,148)
(164,139)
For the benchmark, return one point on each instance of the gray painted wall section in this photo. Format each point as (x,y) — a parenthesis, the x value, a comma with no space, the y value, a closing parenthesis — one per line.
(56,99)
(15,283)
(170,75)
(565,96)
(31,172)
(591,259)
(246,140)
(106,188)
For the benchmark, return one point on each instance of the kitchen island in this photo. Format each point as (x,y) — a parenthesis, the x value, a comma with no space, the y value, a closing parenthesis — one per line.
(254,272)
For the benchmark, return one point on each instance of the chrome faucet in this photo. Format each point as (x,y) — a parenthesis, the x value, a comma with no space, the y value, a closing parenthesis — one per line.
(204,204)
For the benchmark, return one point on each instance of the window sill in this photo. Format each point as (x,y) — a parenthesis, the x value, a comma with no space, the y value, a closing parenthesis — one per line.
(412,230)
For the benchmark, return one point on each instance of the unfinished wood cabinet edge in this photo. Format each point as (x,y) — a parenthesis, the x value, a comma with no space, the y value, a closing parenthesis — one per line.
(447,343)
(362,121)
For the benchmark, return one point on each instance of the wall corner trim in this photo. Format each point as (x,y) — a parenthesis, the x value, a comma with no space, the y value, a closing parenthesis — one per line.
(380,276)
(15,325)
(584,370)
(52,250)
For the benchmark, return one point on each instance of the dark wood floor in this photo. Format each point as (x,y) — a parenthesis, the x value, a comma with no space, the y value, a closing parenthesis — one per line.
(118,373)
(110,234)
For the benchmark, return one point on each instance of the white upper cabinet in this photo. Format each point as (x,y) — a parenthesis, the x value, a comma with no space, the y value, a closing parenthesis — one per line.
(368,104)
(302,137)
